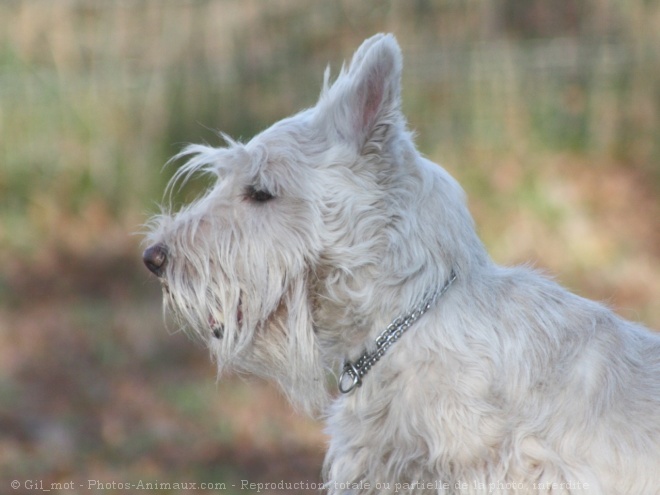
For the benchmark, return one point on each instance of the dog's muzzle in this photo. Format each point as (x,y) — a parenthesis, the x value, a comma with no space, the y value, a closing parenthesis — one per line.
(155,258)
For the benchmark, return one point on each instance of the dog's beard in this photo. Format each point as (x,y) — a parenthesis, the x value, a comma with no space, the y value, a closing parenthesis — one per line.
(279,352)
(217,322)
(205,308)
(279,345)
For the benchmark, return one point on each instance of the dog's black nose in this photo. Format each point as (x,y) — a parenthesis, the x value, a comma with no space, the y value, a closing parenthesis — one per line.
(155,258)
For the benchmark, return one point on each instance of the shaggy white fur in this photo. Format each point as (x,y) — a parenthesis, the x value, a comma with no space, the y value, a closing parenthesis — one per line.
(322,229)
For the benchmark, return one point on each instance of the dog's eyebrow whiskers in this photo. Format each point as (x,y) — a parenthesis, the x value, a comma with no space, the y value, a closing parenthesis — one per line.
(201,159)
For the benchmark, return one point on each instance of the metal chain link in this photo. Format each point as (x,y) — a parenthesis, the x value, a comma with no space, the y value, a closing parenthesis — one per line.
(356,371)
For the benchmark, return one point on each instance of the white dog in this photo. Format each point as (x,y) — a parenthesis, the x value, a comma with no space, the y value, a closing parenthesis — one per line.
(329,243)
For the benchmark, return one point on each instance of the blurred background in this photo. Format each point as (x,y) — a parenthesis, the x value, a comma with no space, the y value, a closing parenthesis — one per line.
(547,112)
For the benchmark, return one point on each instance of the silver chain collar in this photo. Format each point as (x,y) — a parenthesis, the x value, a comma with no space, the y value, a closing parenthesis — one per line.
(354,372)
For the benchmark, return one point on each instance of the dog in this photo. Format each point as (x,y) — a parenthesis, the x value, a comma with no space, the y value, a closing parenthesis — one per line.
(328,243)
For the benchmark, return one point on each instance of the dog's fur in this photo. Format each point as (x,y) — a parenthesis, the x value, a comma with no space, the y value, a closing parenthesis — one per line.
(322,229)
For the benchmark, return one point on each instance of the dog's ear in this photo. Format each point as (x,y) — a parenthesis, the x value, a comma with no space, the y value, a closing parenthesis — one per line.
(365,100)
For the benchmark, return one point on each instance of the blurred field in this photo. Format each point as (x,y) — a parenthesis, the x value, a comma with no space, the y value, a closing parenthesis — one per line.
(548,113)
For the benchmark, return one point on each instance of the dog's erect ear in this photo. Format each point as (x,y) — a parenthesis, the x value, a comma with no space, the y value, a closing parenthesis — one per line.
(360,53)
(366,98)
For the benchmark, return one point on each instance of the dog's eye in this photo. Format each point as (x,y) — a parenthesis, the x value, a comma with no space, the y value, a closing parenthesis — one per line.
(259,195)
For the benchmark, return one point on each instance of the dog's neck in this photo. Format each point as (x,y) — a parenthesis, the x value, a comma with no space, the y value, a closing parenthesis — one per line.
(354,371)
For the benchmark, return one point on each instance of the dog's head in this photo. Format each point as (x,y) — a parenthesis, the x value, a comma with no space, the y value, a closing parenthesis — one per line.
(288,242)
